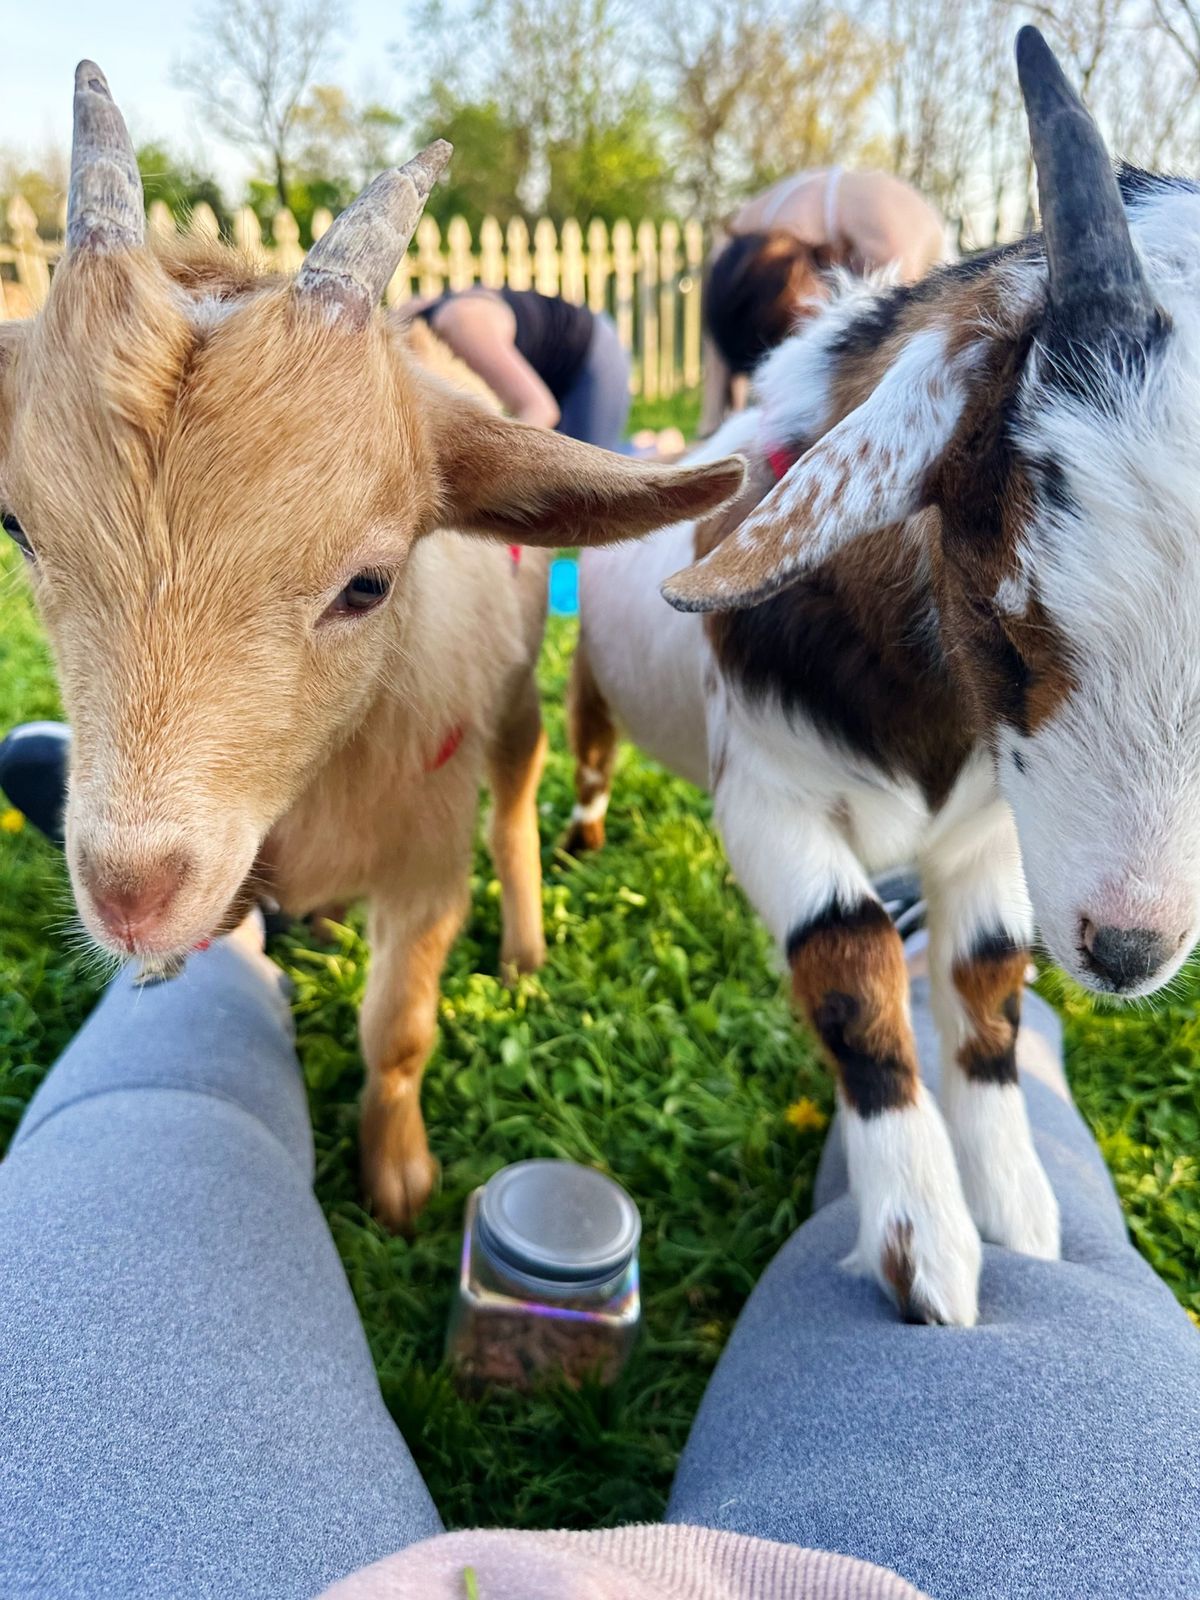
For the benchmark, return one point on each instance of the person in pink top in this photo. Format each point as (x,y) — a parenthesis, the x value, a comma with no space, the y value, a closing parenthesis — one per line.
(779,248)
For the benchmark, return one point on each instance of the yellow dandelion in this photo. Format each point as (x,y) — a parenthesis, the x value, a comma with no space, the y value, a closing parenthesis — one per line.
(805,1116)
(11,821)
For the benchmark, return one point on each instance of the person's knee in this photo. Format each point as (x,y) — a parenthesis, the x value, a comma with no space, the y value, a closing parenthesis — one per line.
(220,1029)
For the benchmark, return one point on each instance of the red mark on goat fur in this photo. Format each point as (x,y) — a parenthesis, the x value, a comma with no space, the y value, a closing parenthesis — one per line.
(448,748)
(781,458)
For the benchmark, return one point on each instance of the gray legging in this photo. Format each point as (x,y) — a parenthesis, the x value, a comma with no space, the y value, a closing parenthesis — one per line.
(187,1404)
(596,406)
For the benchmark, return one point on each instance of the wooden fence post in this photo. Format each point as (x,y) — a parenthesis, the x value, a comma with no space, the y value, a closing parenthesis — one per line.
(597,265)
(668,306)
(491,254)
(572,262)
(247,234)
(203,223)
(545,256)
(160,224)
(462,262)
(429,257)
(517,255)
(33,270)
(285,231)
(651,289)
(647,270)
(623,276)
(693,340)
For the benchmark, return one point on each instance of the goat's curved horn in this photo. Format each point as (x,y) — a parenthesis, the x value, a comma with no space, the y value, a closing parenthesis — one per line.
(352,264)
(1096,280)
(105,208)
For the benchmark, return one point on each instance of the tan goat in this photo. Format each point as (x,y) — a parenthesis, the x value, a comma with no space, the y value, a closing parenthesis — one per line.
(281,670)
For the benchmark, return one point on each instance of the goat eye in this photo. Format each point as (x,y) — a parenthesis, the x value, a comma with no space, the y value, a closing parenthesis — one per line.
(364,592)
(17,534)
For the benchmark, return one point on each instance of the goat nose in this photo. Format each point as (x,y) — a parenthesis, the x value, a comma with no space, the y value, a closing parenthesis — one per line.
(1125,957)
(130,907)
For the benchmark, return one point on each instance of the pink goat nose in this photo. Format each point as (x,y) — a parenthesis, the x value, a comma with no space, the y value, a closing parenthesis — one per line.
(132,906)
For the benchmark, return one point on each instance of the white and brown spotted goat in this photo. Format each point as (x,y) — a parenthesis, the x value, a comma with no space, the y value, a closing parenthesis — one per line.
(960,622)
(280,668)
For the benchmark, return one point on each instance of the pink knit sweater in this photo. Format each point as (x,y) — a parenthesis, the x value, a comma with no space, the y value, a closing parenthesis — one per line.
(640,1563)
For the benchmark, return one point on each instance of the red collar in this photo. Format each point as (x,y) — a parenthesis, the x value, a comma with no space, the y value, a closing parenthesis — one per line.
(781,458)
(448,747)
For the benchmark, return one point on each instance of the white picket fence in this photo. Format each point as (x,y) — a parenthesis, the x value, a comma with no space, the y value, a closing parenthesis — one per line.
(647,278)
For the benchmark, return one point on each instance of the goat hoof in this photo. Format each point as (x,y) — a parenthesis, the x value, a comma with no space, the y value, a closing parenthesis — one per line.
(516,961)
(1019,1212)
(932,1276)
(1005,1185)
(583,837)
(398,1193)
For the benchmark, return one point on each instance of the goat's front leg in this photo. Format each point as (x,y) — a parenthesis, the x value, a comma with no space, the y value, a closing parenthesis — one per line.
(980,930)
(398,1025)
(850,980)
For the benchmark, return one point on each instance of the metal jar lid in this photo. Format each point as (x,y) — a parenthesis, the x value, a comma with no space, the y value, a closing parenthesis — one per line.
(557,1228)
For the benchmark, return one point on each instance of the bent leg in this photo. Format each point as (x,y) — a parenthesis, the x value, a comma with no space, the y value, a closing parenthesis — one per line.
(1049,1451)
(915,1234)
(410,941)
(593,736)
(188,1404)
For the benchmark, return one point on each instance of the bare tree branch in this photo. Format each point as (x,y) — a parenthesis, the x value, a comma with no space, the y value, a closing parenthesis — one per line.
(257,62)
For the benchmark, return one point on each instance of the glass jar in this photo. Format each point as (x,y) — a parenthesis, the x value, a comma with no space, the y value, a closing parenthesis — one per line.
(548,1285)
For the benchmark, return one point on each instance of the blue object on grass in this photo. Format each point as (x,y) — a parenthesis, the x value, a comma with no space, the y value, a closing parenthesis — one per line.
(564,588)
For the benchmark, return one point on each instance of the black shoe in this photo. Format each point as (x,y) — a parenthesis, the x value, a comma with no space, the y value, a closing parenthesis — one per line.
(33,773)
(900,892)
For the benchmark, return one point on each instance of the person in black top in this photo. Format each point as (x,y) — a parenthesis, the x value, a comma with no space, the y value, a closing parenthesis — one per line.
(549,362)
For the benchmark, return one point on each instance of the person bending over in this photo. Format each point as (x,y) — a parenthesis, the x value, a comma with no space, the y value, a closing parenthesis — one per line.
(779,250)
(548,362)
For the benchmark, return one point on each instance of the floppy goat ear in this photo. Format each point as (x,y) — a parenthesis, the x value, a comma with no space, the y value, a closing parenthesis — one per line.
(869,471)
(510,481)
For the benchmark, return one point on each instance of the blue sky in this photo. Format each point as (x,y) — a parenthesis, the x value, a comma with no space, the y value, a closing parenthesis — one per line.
(137,42)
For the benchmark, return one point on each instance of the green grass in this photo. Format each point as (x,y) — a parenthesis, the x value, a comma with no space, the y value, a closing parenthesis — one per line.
(655,1044)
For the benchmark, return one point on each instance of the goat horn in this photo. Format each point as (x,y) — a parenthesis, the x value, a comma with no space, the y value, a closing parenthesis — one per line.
(352,264)
(105,209)
(1096,280)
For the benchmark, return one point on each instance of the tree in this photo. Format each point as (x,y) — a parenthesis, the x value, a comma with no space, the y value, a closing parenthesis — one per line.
(491,156)
(258,62)
(551,111)
(335,135)
(41,182)
(178,184)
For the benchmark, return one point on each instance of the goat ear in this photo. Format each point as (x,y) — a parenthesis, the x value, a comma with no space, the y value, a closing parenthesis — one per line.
(869,471)
(507,480)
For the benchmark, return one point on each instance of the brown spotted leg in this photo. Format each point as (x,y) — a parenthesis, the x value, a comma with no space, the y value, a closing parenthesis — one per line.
(398,1026)
(980,926)
(850,981)
(593,735)
(515,760)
